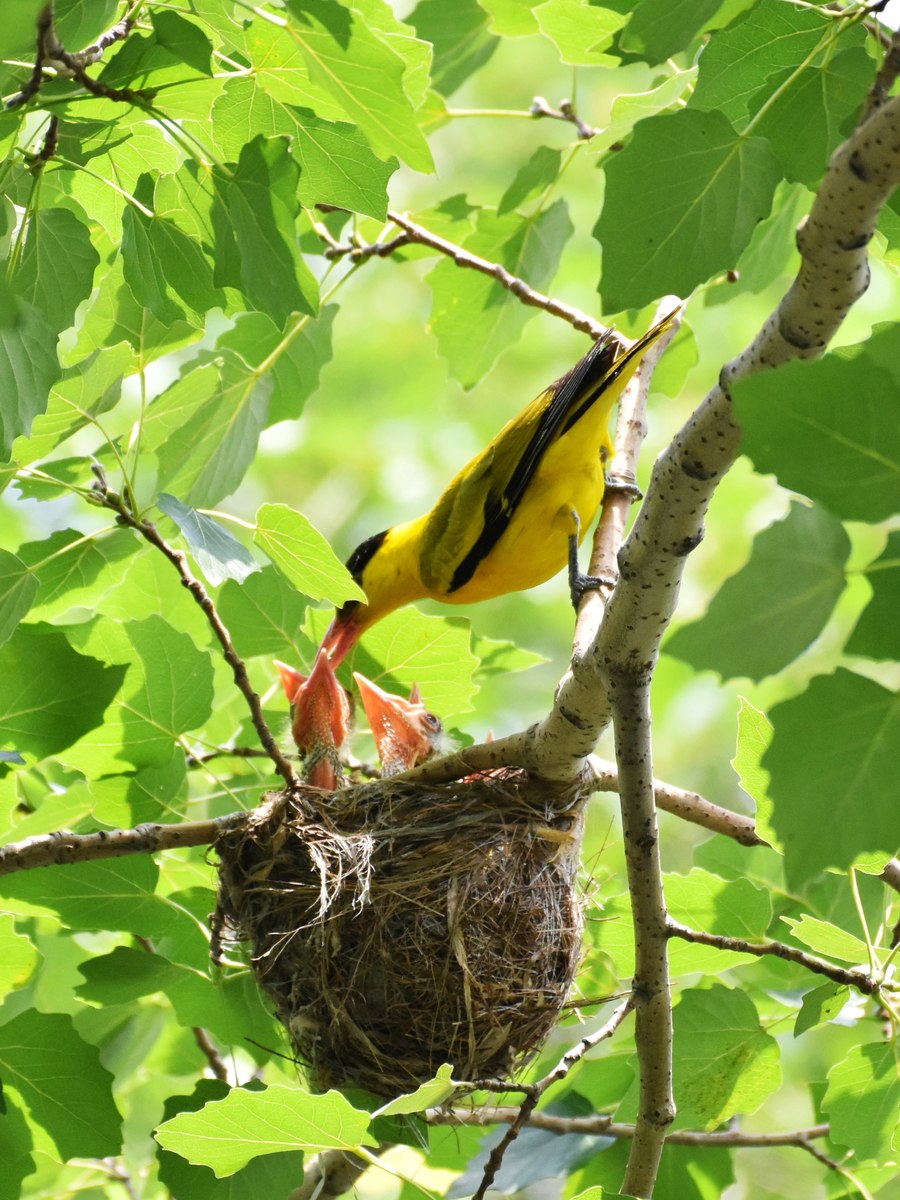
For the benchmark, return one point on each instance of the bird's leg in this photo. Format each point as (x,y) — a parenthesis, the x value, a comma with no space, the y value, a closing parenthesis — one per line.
(579,582)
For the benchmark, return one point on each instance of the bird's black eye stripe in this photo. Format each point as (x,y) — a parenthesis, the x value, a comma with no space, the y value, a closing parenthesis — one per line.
(364,553)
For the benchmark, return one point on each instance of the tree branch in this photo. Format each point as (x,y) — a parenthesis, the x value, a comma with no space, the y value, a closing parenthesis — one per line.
(629,693)
(54,849)
(690,806)
(148,531)
(52,54)
(849,978)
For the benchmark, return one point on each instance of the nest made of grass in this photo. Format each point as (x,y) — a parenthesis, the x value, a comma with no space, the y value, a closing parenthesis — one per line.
(397,928)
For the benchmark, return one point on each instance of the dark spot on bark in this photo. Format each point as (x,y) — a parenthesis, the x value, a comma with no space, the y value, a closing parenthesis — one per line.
(858,167)
(574,718)
(856,243)
(696,470)
(684,547)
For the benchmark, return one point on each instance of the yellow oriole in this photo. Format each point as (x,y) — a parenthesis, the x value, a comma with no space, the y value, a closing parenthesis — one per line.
(506,521)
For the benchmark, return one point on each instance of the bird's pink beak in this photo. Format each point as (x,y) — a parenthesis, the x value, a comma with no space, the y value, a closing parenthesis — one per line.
(342,635)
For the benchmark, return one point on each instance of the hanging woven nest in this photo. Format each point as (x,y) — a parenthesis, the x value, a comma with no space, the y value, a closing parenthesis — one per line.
(396,928)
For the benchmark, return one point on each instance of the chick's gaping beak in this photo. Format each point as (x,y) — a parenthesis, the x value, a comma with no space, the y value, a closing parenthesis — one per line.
(320,718)
(405,732)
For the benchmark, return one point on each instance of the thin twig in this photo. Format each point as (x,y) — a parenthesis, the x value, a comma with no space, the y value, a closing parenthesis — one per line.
(113,501)
(210,1053)
(528,1105)
(198,760)
(565,112)
(518,287)
(601,1124)
(849,978)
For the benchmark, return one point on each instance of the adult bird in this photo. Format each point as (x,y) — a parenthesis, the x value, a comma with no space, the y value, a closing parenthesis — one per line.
(320,720)
(515,514)
(405,732)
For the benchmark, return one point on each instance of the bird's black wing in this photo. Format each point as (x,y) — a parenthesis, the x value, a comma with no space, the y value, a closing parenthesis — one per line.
(571,396)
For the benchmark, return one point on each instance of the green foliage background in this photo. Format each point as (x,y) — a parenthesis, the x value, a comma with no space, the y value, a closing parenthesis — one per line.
(168,313)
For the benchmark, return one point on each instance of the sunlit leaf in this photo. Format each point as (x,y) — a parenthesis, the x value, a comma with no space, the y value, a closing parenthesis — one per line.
(226,1134)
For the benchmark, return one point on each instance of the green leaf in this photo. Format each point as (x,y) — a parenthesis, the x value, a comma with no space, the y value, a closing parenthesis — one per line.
(168,690)
(832,764)
(184,39)
(511,18)
(227,1133)
(18,957)
(221,1007)
(219,554)
(474,318)
(777,605)
(581,32)
(264,616)
(829,428)
(825,938)
(823,101)
(300,551)
(16,1144)
(819,1005)
(718,186)
(109,894)
(502,658)
(61,1080)
(877,632)
(73,569)
(79,22)
(363,75)
(89,388)
(205,428)
(863,1099)
(753,739)
(28,369)
(704,901)
(56,270)
(724,1061)
(538,173)
(459,34)
(160,259)
(659,29)
(771,37)
(338,166)
(256,231)
(18,588)
(51,694)
(427,1095)
(267,1175)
